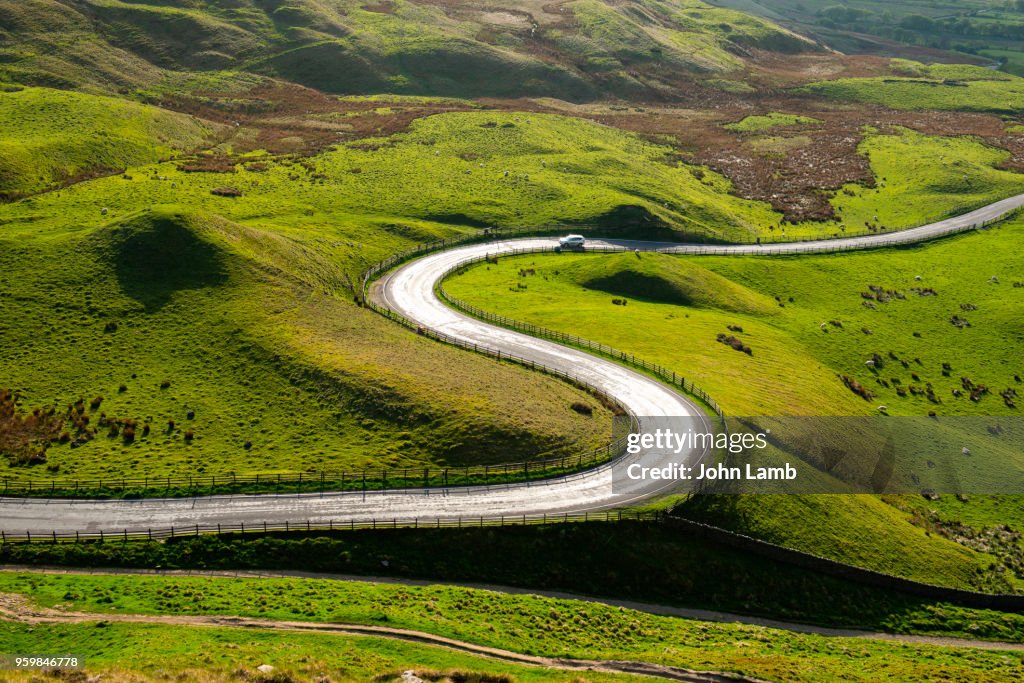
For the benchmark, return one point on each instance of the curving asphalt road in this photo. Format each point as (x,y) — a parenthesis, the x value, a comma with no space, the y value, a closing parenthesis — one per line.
(410,291)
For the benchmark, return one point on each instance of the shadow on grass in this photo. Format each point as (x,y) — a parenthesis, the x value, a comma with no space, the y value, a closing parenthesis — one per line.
(155,255)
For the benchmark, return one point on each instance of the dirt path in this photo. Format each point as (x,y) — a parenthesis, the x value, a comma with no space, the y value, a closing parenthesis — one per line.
(649,608)
(18,608)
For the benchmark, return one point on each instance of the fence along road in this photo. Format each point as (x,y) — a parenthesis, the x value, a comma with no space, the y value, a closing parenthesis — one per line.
(410,291)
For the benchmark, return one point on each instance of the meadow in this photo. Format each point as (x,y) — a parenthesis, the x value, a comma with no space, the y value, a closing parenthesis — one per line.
(649,559)
(109,135)
(954,87)
(808,320)
(139,653)
(523,623)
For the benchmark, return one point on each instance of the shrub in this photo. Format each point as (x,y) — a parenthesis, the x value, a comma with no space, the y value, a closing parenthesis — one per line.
(582,408)
(856,387)
(226,192)
(165,384)
(95,403)
(735,343)
(189,435)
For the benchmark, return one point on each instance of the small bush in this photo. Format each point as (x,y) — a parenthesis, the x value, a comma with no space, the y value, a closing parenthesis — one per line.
(582,408)
(735,343)
(856,387)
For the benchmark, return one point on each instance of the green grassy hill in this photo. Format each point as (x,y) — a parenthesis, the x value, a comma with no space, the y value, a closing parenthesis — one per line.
(573,50)
(167,311)
(471,168)
(954,87)
(786,308)
(52,137)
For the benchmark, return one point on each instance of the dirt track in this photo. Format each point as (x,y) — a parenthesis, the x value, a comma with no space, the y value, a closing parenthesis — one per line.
(17,608)
(648,608)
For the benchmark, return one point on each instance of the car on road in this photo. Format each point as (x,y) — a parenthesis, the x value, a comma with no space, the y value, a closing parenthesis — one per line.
(572,242)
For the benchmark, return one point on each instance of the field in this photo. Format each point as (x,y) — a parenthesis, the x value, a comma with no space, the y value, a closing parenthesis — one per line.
(649,559)
(756,124)
(953,88)
(532,625)
(51,138)
(139,653)
(797,359)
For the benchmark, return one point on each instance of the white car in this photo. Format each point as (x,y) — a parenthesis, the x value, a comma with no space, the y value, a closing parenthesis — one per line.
(572,242)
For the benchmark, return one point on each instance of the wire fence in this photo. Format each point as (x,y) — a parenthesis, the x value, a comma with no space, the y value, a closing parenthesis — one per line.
(321,526)
(660,371)
(834,245)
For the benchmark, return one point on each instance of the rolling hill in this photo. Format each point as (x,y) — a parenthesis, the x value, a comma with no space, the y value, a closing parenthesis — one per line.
(574,50)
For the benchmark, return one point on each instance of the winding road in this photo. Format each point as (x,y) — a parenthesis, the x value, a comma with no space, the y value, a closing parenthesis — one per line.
(409,290)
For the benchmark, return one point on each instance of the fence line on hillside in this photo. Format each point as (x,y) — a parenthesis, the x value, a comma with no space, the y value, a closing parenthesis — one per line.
(897,238)
(778,553)
(320,526)
(496,233)
(842,570)
(660,371)
(370,480)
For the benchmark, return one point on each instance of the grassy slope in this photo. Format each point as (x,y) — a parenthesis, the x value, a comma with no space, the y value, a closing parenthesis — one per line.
(574,52)
(523,623)
(50,136)
(559,169)
(249,329)
(922,178)
(862,530)
(139,653)
(648,560)
(757,124)
(918,179)
(945,87)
